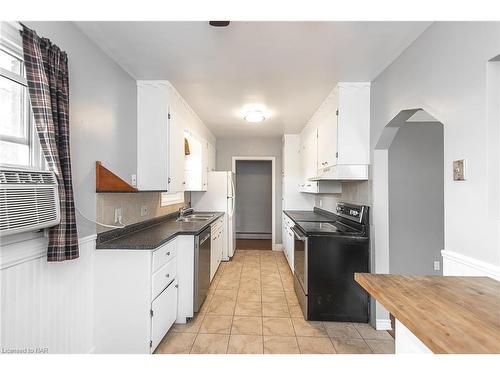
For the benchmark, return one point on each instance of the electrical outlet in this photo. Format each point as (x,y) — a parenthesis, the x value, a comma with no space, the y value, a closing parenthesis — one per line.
(134,180)
(437,265)
(144,210)
(118,215)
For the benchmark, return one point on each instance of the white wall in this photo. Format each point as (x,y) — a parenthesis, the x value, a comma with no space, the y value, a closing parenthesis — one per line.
(102,114)
(229,147)
(445,72)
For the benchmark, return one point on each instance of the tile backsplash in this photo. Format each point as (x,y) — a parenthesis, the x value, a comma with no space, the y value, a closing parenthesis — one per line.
(131,204)
(357,192)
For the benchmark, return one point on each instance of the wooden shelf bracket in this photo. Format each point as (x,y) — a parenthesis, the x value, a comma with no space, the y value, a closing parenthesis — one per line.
(108,182)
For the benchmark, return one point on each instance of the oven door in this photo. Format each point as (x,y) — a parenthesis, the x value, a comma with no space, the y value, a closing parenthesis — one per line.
(300,257)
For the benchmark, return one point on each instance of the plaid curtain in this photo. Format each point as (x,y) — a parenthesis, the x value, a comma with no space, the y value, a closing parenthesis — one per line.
(47,77)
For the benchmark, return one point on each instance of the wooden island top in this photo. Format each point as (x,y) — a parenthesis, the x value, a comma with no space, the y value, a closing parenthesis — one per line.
(449,314)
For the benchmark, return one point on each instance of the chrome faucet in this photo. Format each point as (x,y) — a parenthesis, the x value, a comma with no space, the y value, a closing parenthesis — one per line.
(184,210)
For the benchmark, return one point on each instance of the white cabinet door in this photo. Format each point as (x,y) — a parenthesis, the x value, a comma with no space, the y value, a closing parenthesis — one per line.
(176,142)
(205,165)
(152,136)
(327,140)
(309,161)
(354,123)
(164,313)
(212,153)
(284,236)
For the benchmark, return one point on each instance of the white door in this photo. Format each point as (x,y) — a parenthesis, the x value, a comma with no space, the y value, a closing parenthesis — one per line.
(164,309)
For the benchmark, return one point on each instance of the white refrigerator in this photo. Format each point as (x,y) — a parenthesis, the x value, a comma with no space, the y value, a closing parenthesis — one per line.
(220,196)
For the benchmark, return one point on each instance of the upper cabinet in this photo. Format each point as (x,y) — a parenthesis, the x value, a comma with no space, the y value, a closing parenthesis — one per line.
(193,163)
(163,118)
(342,127)
(292,176)
(153,128)
(353,123)
(198,163)
(327,134)
(177,123)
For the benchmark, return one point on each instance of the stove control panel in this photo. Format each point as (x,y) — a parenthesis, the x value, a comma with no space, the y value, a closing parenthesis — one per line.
(350,211)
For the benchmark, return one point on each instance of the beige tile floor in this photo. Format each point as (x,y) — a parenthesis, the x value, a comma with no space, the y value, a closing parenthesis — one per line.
(252,309)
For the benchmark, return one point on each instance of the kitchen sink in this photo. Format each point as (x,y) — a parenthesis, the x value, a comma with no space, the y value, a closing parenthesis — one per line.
(201,216)
(195,217)
(192,219)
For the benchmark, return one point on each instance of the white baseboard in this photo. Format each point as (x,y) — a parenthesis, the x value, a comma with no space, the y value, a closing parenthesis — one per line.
(456,264)
(383,324)
(277,247)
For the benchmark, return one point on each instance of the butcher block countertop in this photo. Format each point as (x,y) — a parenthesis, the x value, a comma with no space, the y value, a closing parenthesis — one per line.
(448,314)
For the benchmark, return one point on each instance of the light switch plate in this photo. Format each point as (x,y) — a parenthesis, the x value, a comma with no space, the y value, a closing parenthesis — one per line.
(437,265)
(144,210)
(459,170)
(134,180)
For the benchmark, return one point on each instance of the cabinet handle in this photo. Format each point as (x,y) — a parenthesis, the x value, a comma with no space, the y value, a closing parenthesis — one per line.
(167,275)
(168,253)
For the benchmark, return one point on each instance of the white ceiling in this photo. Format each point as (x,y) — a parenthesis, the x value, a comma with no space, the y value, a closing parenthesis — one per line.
(289,67)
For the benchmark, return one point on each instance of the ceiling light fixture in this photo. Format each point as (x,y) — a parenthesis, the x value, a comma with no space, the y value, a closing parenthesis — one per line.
(219,23)
(254,116)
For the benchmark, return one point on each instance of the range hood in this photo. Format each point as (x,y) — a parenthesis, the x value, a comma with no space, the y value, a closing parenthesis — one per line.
(343,172)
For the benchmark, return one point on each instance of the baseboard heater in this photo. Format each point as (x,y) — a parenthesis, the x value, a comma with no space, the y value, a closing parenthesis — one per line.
(253,236)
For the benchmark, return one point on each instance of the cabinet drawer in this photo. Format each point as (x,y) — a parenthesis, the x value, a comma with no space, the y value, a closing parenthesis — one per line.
(164,254)
(164,313)
(163,277)
(216,227)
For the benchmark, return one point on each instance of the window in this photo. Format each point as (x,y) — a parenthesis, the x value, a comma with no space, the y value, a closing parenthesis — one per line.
(19,143)
(167,199)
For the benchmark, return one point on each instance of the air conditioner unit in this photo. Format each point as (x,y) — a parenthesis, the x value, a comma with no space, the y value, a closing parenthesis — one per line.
(29,200)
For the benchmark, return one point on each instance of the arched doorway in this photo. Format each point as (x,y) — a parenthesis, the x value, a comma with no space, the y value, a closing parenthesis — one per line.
(408,197)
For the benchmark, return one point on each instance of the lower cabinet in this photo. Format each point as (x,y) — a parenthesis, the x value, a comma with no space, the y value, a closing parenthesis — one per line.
(163,313)
(135,298)
(216,246)
(288,240)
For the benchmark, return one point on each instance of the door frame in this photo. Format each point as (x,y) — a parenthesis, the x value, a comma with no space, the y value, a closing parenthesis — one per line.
(273,188)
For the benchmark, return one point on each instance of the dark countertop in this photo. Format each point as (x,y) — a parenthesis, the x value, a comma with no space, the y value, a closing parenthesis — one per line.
(152,233)
(318,215)
(302,219)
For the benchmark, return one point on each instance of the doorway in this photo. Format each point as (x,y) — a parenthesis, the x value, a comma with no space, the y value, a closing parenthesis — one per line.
(408,198)
(254,204)
(408,195)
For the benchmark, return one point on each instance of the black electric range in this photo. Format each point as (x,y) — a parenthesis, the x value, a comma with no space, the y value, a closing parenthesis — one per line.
(326,256)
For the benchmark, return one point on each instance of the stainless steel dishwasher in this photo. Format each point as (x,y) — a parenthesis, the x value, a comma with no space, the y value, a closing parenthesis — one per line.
(202,243)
